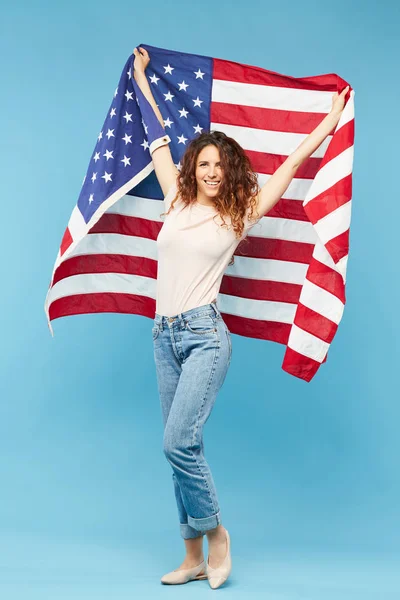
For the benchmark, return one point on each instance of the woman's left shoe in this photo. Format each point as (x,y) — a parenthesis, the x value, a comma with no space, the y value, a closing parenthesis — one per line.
(218,576)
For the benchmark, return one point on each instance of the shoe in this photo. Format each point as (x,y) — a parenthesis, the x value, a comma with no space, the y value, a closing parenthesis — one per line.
(218,576)
(185,575)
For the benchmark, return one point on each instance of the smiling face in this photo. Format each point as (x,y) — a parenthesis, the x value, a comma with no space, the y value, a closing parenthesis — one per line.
(209,174)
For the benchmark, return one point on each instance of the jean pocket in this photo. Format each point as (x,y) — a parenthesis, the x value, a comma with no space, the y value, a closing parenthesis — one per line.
(155,332)
(201,324)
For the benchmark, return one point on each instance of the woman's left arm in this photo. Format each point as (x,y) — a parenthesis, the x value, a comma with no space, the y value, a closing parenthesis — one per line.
(278,183)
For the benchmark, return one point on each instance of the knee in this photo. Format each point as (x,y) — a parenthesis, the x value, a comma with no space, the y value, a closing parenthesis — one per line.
(176,447)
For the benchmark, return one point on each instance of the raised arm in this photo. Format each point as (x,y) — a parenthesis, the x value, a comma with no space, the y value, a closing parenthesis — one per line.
(278,183)
(164,166)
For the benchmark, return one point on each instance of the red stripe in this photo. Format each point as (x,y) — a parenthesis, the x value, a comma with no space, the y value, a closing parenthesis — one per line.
(343,139)
(106,263)
(122,224)
(268,163)
(288,209)
(79,304)
(329,200)
(326,278)
(254,328)
(274,291)
(299,365)
(314,323)
(257,247)
(232,71)
(66,241)
(270,119)
(338,247)
(141,305)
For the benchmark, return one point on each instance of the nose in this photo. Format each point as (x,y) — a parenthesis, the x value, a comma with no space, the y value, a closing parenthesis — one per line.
(211,173)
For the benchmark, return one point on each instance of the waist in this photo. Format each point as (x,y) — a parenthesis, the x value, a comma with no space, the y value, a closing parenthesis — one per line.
(185,316)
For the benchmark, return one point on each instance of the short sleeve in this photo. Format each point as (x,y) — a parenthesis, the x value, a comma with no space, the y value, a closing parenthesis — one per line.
(170,196)
(248,225)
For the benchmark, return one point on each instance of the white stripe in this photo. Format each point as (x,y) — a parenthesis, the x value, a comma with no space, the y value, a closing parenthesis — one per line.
(76,224)
(321,301)
(335,223)
(332,172)
(321,254)
(263,310)
(281,312)
(253,268)
(268,96)
(268,270)
(307,344)
(103,283)
(268,227)
(274,142)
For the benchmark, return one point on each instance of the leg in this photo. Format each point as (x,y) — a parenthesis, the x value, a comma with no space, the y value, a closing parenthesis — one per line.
(206,360)
(168,370)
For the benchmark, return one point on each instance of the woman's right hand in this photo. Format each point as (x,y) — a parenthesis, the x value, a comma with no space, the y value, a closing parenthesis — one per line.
(141,61)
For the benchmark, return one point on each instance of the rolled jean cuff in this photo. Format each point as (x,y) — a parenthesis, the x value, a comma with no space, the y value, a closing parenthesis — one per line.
(188,532)
(206,523)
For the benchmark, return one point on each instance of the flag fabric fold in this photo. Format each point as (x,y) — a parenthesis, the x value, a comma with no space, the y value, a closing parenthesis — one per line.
(287,283)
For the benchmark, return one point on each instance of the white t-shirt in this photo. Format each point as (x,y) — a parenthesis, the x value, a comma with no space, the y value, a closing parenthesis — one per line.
(193,253)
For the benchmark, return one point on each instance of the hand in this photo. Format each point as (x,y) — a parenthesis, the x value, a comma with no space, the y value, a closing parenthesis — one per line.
(338,101)
(141,61)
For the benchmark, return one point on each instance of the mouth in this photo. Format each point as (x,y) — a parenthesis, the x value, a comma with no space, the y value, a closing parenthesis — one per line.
(212,183)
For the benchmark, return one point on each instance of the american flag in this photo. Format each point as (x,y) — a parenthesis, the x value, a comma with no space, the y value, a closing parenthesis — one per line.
(287,283)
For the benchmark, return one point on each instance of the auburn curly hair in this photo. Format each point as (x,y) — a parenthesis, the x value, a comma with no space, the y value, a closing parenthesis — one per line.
(239,187)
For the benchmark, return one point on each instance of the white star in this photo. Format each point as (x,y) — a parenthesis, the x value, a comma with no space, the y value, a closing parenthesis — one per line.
(128,95)
(145,144)
(96,157)
(108,154)
(198,129)
(181,139)
(116,92)
(199,74)
(113,112)
(126,160)
(183,113)
(198,102)
(183,86)
(91,198)
(84,179)
(145,126)
(154,79)
(110,133)
(169,96)
(129,73)
(127,117)
(179,166)
(168,69)
(106,176)
(100,135)
(94,176)
(168,122)
(127,139)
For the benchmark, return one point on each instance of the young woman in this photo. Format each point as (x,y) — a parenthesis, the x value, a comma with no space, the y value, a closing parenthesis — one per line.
(211,204)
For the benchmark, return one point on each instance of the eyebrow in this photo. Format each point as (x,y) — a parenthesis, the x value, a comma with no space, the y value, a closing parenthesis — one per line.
(207,162)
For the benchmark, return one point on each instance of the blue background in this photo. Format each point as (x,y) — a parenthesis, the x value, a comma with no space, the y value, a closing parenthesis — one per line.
(307,474)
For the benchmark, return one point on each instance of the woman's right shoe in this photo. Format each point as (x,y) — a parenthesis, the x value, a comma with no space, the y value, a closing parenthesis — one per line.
(185,575)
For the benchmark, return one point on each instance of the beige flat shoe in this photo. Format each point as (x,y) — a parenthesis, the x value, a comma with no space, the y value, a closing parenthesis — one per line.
(216,577)
(185,575)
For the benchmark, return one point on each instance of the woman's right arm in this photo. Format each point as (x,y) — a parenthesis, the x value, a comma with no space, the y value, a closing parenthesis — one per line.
(164,166)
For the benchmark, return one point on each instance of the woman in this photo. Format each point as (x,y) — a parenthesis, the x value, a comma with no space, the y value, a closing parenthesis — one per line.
(211,204)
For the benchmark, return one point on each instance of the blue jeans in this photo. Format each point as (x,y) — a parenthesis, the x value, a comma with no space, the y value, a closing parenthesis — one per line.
(192,353)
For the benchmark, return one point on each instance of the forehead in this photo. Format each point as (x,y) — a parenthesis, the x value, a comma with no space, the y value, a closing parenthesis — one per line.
(209,153)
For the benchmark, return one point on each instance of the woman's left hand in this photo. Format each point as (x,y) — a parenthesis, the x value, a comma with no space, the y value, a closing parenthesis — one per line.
(338,101)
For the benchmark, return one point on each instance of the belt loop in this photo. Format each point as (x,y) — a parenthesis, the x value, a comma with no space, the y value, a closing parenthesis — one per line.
(214,305)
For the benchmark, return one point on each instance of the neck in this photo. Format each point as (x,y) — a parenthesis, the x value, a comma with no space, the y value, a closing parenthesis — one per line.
(205,200)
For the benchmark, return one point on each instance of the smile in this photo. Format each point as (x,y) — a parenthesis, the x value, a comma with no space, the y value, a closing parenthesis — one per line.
(212,183)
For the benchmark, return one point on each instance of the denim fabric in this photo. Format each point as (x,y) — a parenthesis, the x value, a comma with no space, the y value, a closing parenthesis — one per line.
(192,353)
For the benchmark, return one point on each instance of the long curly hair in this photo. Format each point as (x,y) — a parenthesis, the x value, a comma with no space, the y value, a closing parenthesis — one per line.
(239,187)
